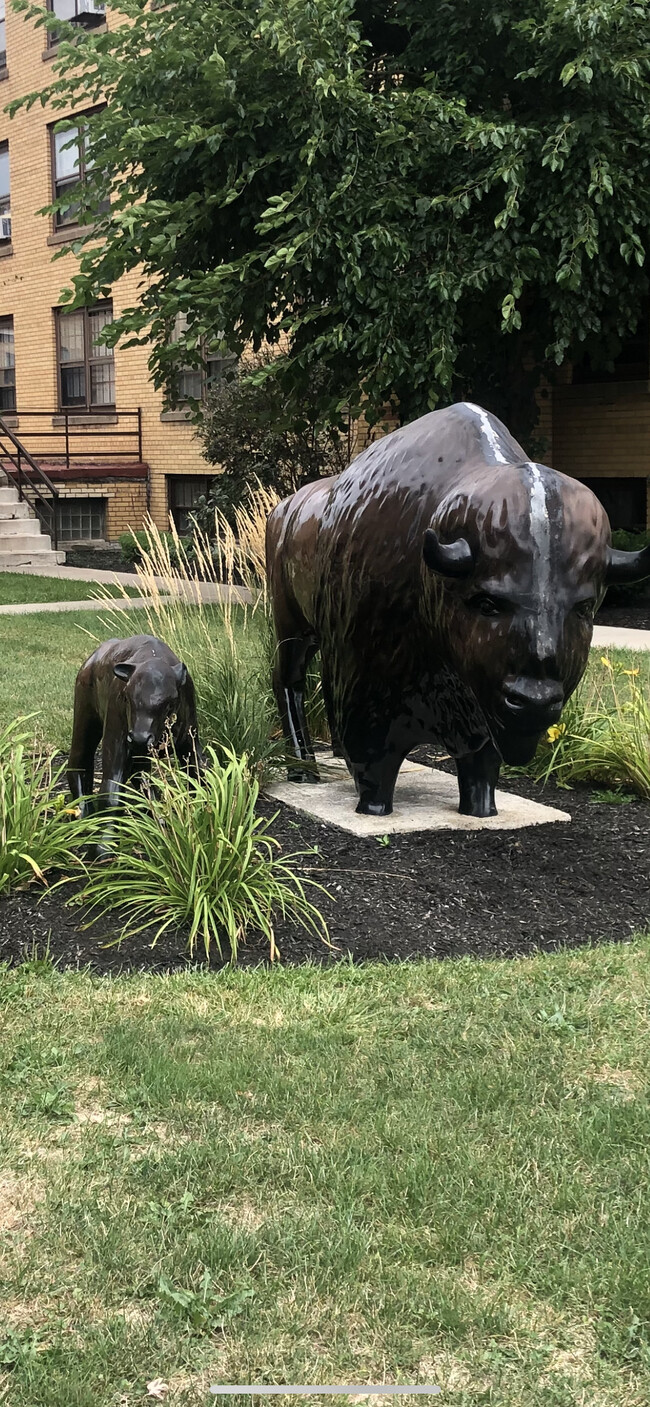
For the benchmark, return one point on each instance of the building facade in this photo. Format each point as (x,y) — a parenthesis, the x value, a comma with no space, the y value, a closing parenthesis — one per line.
(89,416)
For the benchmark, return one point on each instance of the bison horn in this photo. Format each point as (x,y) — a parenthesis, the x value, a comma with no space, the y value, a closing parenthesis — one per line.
(627,566)
(448,558)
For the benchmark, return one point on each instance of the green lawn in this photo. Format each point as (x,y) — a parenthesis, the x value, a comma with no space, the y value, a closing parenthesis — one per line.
(17,588)
(428,1172)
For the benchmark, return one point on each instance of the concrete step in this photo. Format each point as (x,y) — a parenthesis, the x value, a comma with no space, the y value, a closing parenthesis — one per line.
(8,494)
(25,542)
(10,511)
(19,527)
(45,558)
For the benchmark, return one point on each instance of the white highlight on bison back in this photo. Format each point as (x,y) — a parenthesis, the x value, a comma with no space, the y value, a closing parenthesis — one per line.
(540,531)
(488,432)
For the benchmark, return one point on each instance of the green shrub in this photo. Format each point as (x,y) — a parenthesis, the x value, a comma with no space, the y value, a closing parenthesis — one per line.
(38,829)
(604,734)
(134,546)
(188,853)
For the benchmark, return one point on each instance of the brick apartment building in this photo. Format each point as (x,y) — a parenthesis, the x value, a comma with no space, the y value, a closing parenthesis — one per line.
(91,419)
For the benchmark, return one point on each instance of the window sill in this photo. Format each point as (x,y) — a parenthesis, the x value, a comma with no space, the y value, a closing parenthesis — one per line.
(69,235)
(53,49)
(176,417)
(4,73)
(6,249)
(86,417)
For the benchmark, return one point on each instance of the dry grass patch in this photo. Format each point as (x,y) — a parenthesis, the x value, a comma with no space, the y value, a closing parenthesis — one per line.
(19,1198)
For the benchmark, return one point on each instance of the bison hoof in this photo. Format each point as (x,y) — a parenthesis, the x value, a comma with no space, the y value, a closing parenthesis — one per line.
(374,808)
(480,809)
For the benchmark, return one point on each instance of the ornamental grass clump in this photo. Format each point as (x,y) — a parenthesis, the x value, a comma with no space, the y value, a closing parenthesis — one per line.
(604,735)
(192,854)
(37,827)
(213,610)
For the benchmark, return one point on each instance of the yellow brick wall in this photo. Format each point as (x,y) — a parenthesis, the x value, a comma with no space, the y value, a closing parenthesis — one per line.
(126,502)
(603,431)
(30,286)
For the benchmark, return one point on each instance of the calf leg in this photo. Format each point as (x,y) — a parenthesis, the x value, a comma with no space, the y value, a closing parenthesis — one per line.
(478,774)
(114,775)
(86,736)
(291,661)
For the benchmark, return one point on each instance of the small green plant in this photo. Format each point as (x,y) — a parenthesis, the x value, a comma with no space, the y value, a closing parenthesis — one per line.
(604,735)
(192,853)
(203,1309)
(37,827)
(608,797)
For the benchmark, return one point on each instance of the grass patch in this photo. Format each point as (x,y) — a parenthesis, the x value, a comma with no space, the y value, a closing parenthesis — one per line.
(425,1172)
(41,655)
(18,588)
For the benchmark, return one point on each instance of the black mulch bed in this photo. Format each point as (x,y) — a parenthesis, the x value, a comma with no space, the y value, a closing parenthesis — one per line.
(428,894)
(631,615)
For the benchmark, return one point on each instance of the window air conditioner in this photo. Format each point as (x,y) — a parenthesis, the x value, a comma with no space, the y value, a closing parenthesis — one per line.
(89,13)
(5,226)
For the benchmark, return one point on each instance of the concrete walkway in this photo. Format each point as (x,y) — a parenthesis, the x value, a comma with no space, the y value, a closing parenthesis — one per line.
(34,608)
(616,637)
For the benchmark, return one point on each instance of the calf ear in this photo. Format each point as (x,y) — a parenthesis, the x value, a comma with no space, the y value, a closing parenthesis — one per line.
(181,674)
(448,558)
(627,566)
(123,671)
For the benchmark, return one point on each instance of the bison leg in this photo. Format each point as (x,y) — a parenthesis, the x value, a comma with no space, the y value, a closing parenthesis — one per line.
(328,699)
(114,774)
(86,736)
(375,783)
(478,774)
(374,759)
(292,659)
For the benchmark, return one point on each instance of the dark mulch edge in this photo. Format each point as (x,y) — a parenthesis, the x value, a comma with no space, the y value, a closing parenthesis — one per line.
(429,894)
(629,615)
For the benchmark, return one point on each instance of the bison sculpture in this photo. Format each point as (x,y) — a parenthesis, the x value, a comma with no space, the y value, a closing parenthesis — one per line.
(450,585)
(127,694)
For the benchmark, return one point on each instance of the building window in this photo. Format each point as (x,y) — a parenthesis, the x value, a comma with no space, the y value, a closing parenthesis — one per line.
(184,494)
(86,13)
(191,383)
(7,367)
(3,34)
(86,367)
(71,166)
(5,199)
(81,519)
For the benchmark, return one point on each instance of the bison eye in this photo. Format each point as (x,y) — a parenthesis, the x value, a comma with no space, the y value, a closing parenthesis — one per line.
(487,606)
(585,609)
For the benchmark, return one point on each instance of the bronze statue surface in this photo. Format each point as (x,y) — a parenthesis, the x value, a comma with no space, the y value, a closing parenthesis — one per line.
(126,694)
(450,585)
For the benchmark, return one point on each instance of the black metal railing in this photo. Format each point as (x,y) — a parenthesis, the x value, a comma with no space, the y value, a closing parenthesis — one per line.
(73,436)
(33,484)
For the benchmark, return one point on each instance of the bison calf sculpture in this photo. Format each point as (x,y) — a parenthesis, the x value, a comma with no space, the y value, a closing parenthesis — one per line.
(126,694)
(450,585)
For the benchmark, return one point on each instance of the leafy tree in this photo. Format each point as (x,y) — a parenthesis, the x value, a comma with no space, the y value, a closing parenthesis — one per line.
(421,199)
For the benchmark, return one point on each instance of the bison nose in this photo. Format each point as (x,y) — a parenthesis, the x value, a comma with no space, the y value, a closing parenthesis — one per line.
(536,698)
(140,742)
